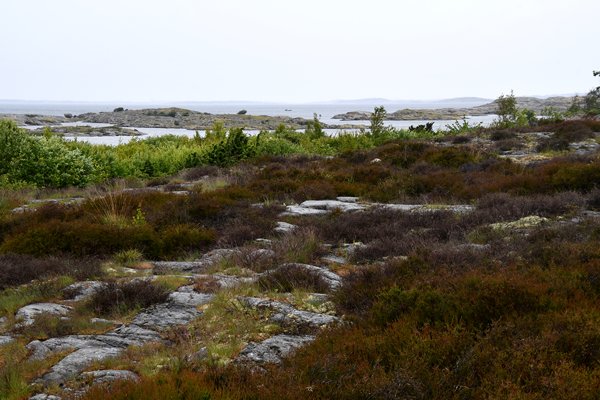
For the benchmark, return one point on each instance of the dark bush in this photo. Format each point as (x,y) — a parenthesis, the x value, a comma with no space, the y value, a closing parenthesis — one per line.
(117,298)
(289,277)
(17,269)
(178,239)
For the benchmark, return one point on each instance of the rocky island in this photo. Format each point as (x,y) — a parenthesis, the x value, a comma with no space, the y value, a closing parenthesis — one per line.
(534,104)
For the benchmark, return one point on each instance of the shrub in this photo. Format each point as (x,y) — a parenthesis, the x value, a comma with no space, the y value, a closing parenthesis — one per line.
(231,150)
(118,298)
(180,238)
(290,277)
(17,269)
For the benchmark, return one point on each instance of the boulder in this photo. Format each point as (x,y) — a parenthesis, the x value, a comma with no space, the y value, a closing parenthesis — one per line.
(110,375)
(287,315)
(272,350)
(26,315)
(5,340)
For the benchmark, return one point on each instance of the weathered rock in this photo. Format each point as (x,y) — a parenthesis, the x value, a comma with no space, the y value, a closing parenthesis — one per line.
(334,259)
(284,227)
(289,316)
(26,315)
(198,356)
(531,221)
(83,290)
(331,205)
(72,365)
(5,340)
(273,350)
(179,310)
(202,265)
(183,266)
(296,210)
(44,396)
(109,375)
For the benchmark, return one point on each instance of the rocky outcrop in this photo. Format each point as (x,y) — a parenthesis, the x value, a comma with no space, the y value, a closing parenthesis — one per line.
(287,316)
(273,350)
(5,340)
(109,375)
(193,120)
(202,265)
(535,104)
(79,291)
(350,204)
(26,315)
(180,309)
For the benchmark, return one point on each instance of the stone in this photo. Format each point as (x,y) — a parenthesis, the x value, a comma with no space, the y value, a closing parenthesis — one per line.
(198,356)
(334,259)
(44,396)
(110,375)
(72,365)
(83,290)
(180,309)
(273,350)
(296,210)
(202,265)
(531,221)
(26,315)
(5,340)
(284,227)
(331,205)
(287,315)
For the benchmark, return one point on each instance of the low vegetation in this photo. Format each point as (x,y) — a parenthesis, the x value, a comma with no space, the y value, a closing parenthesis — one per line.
(497,298)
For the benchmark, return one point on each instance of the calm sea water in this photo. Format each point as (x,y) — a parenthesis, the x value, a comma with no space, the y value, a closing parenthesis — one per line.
(325,112)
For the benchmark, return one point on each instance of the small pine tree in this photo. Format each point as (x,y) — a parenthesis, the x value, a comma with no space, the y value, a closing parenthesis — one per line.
(377,120)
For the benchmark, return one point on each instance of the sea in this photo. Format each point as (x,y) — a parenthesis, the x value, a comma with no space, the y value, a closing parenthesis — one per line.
(324,111)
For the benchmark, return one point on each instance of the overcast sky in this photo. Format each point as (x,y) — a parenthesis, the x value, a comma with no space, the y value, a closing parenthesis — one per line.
(295,51)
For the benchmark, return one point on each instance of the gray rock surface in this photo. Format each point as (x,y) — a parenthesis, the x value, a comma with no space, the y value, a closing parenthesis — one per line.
(287,315)
(110,375)
(178,310)
(273,350)
(83,290)
(26,315)
(44,396)
(331,205)
(202,265)
(284,227)
(5,340)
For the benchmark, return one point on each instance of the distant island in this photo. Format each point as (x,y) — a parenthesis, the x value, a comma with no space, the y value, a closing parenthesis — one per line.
(534,104)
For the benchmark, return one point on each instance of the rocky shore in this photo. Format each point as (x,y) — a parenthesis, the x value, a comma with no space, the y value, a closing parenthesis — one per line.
(560,104)
(78,131)
(193,120)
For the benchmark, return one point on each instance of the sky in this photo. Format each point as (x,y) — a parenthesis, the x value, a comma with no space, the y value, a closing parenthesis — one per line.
(295,51)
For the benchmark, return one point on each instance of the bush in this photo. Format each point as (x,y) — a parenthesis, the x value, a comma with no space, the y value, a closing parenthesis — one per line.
(118,298)
(17,269)
(290,277)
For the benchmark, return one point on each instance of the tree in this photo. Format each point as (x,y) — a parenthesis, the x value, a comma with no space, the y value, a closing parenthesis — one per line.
(591,102)
(507,109)
(314,129)
(377,119)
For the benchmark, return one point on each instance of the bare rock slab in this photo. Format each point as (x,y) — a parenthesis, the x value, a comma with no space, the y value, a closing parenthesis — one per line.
(110,375)
(274,349)
(28,313)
